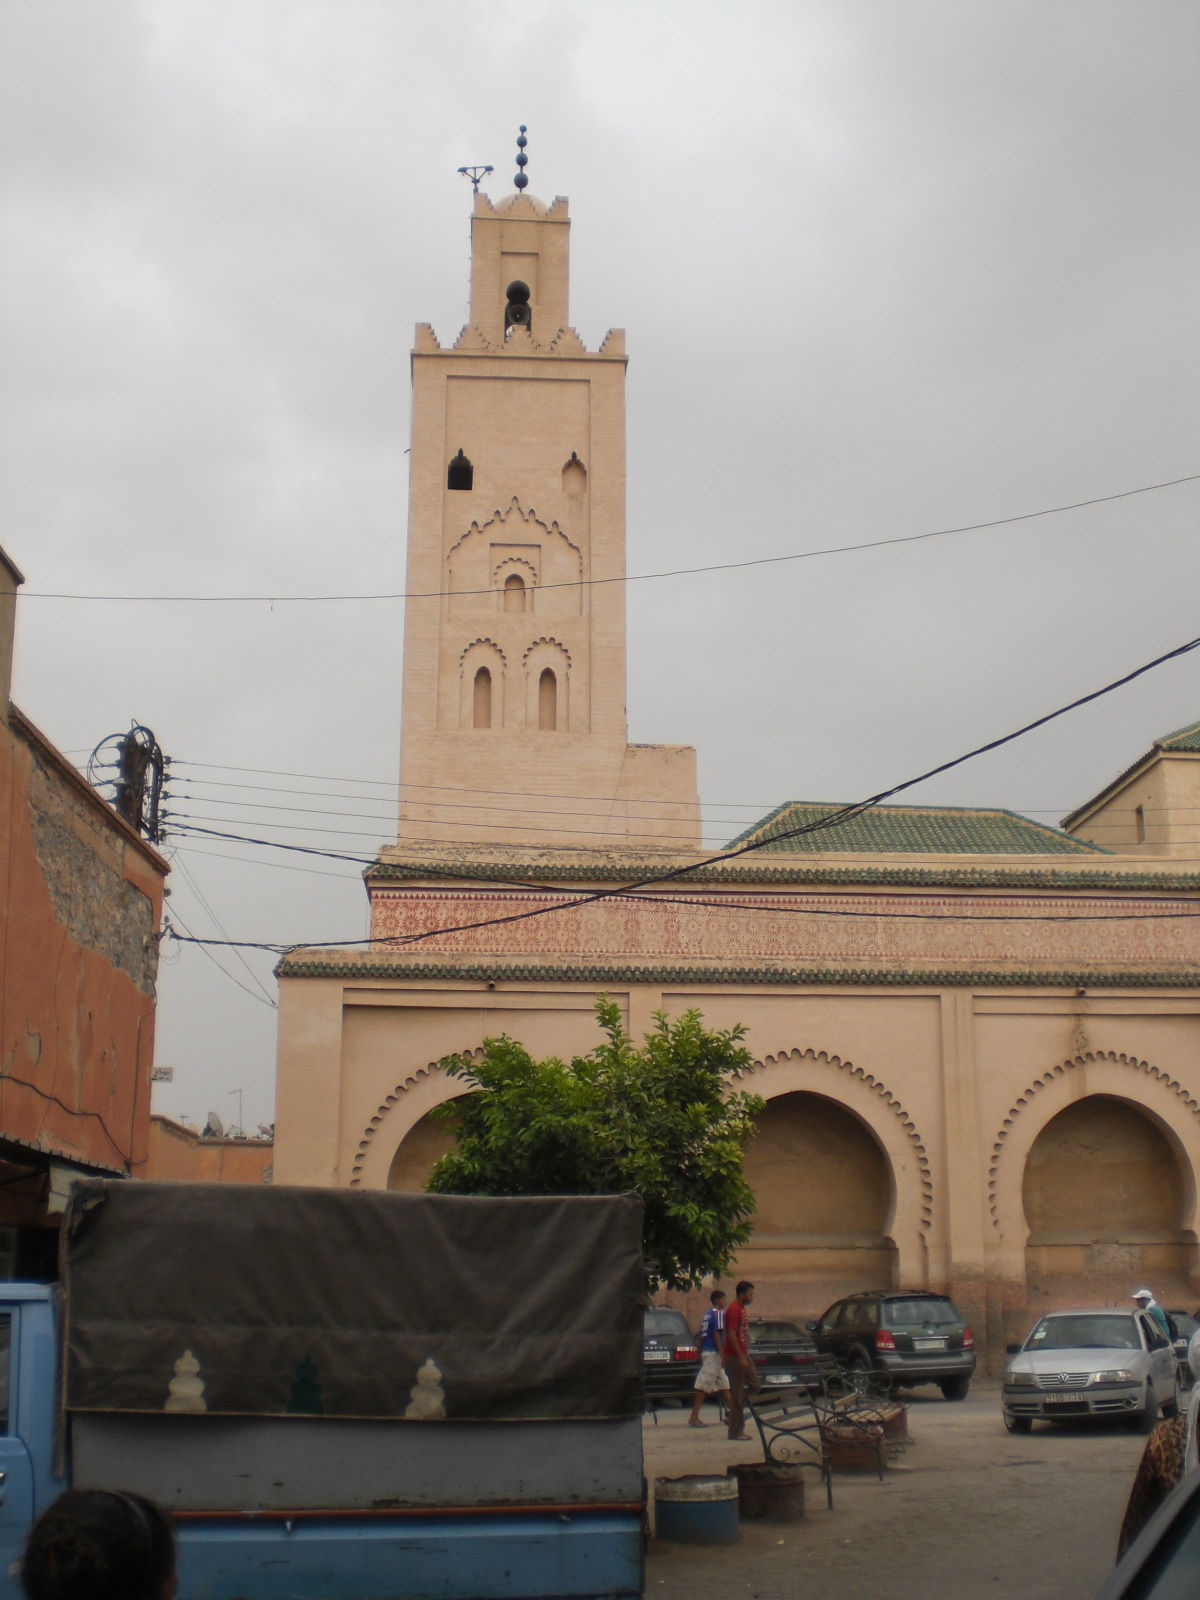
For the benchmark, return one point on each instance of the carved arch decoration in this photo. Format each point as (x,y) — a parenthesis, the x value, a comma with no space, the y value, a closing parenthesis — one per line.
(860,1092)
(554,646)
(509,564)
(518,518)
(1157,1094)
(422,1090)
(479,653)
(515,532)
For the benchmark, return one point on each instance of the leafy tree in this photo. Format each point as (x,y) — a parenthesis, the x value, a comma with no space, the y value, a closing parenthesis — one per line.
(658,1121)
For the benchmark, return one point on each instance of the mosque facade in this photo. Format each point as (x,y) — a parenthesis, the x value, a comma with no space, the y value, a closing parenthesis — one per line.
(977,1037)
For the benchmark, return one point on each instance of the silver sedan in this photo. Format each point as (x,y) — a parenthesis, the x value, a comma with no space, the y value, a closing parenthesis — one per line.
(1093,1362)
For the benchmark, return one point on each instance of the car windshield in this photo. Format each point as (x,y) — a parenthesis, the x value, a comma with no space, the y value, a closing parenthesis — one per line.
(667,1322)
(918,1312)
(1111,1332)
(773,1332)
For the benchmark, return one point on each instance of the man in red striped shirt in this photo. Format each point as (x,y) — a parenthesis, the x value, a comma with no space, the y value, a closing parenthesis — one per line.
(742,1372)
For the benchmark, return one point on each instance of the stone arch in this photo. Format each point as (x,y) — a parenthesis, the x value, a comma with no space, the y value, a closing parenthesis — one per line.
(1154,1092)
(884,1117)
(398,1113)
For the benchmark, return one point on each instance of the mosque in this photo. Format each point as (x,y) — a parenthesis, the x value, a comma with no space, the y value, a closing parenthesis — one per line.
(978,1037)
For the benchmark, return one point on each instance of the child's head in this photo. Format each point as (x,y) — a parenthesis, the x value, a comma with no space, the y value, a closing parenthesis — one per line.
(100,1544)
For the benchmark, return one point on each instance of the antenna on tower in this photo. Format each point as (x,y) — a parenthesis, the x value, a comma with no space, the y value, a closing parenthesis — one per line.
(476,175)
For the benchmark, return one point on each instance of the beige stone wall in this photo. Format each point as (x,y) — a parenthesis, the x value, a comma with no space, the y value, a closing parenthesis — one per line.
(1156,812)
(900,1135)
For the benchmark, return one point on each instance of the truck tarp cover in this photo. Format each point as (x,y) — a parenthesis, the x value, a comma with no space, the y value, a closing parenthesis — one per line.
(242,1301)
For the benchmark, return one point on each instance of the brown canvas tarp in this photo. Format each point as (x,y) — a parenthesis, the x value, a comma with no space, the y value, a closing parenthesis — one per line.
(244,1301)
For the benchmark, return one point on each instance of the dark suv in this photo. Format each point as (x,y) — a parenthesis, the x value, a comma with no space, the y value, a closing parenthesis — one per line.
(903,1339)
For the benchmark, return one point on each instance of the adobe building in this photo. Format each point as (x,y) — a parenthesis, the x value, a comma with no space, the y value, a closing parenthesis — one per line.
(978,1038)
(81,896)
(181,1153)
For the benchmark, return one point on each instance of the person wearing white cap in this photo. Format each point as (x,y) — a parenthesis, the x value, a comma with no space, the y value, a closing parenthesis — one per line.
(1147,1302)
(1172,1451)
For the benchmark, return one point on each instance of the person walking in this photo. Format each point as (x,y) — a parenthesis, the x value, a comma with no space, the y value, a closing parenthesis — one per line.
(741,1370)
(711,1378)
(1147,1302)
(1171,1452)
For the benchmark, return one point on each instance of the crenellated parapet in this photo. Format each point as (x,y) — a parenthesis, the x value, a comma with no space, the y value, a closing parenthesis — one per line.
(472,341)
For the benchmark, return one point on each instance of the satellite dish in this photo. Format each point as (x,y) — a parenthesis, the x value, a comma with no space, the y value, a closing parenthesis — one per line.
(214,1128)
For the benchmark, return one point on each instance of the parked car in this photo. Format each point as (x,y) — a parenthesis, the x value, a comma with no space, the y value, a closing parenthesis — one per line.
(1185,1325)
(1094,1362)
(670,1359)
(903,1339)
(784,1354)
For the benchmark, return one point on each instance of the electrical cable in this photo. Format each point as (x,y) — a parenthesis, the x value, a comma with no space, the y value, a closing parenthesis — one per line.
(625,578)
(72,1111)
(833,820)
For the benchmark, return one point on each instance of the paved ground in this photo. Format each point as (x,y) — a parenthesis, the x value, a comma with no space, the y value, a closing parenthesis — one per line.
(968,1511)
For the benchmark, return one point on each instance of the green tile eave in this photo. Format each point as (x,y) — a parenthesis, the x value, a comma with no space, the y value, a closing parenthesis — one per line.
(334,964)
(1187,738)
(547,872)
(912,830)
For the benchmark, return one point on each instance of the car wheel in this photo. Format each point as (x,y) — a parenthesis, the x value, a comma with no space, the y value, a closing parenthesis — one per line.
(1018,1424)
(1173,1406)
(954,1388)
(1142,1421)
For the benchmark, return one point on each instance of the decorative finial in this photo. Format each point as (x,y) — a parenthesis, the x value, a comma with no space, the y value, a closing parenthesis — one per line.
(476,175)
(521,180)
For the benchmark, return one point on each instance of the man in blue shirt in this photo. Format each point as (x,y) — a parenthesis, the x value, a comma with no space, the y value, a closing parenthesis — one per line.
(711,1379)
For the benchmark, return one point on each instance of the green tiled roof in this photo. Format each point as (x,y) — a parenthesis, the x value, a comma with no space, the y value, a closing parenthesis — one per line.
(1182,739)
(913,830)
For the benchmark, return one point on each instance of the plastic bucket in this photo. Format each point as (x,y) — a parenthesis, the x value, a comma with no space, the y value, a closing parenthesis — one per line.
(696,1509)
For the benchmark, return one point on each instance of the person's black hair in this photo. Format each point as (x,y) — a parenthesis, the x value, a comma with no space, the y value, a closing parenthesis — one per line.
(743,1286)
(99,1544)
(717,1294)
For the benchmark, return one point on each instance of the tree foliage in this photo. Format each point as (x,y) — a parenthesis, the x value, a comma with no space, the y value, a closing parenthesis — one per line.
(659,1121)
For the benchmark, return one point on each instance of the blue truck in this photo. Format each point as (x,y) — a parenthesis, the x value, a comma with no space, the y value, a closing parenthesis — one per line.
(340,1396)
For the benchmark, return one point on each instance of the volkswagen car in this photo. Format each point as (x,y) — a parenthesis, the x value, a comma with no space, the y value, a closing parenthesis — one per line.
(1094,1362)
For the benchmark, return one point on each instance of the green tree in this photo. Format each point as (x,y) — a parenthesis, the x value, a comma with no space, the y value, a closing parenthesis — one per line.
(659,1121)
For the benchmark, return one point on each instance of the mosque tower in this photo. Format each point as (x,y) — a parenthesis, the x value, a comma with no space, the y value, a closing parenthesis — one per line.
(514,726)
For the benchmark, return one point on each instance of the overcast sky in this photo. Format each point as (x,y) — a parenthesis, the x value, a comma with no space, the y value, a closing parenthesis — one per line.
(885,268)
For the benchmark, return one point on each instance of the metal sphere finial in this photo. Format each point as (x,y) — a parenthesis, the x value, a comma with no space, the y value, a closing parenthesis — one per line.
(521,180)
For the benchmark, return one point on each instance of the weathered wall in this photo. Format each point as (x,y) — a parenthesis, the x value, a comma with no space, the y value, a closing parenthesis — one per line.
(178,1152)
(80,910)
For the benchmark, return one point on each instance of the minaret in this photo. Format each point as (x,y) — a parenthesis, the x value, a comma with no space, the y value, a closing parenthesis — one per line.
(514,727)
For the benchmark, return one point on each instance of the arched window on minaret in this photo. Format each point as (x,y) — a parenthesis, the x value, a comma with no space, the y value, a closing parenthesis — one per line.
(460,474)
(482,703)
(514,592)
(574,476)
(547,701)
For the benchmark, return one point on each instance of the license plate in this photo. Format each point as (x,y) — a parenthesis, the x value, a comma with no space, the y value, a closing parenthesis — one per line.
(1070,1399)
(779,1377)
(929,1344)
(658,1355)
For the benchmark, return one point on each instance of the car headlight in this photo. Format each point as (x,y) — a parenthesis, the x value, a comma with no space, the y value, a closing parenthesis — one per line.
(1020,1380)
(1116,1375)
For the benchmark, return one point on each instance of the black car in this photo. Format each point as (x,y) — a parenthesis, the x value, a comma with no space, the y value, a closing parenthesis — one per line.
(1185,1325)
(900,1338)
(784,1354)
(670,1359)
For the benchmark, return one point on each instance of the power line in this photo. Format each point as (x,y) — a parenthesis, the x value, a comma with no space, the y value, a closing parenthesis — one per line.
(640,577)
(832,820)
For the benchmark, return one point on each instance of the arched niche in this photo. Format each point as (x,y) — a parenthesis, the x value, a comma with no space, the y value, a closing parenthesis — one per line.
(430,1138)
(845,1180)
(574,477)
(547,687)
(481,692)
(1104,1196)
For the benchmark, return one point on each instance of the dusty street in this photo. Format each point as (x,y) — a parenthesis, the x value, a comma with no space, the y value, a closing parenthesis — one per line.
(968,1511)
